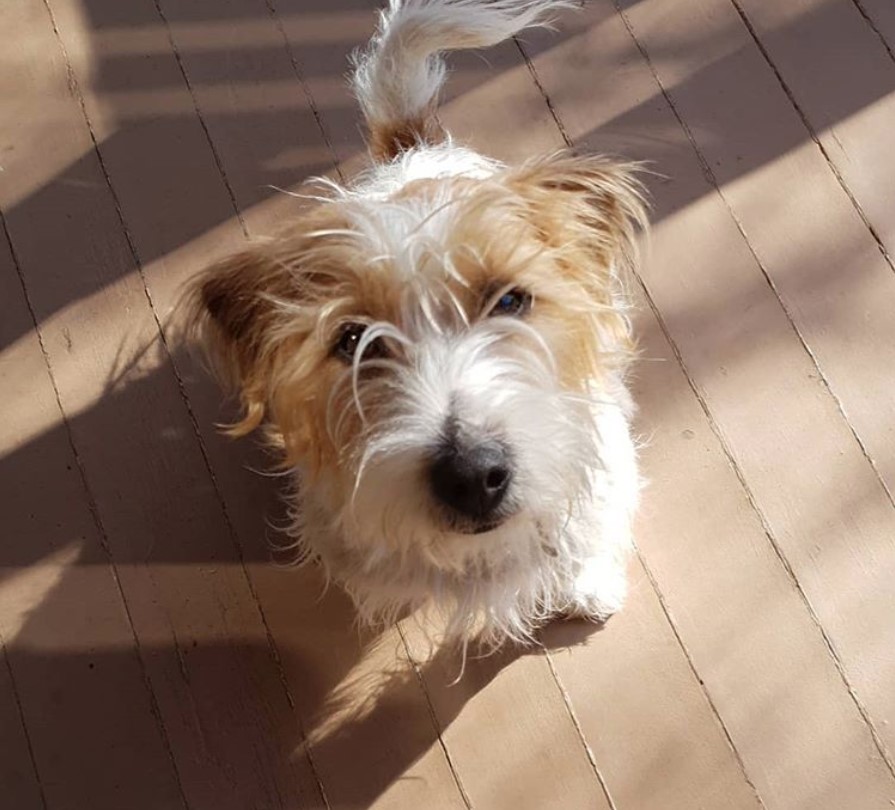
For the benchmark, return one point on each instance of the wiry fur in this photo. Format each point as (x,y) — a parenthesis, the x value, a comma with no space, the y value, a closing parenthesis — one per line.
(418,249)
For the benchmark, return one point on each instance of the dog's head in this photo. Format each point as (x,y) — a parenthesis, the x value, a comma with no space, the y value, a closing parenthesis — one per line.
(428,358)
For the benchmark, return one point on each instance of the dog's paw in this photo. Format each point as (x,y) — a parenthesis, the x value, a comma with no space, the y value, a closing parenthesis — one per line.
(599,591)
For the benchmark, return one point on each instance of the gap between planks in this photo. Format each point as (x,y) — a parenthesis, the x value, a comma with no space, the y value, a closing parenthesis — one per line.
(859,5)
(21,715)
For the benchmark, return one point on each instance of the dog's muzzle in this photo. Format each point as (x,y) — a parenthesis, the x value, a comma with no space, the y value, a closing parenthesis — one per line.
(471,479)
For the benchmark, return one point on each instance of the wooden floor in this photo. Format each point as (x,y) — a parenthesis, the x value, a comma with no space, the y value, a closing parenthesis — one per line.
(153,655)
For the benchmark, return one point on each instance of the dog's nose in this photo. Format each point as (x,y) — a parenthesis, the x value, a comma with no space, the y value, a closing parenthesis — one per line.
(473,480)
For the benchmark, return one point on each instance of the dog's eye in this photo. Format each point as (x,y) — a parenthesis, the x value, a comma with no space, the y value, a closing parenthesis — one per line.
(349,340)
(512,302)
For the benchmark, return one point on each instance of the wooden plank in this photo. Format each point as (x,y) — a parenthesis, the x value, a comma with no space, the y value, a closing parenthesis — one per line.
(841,77)
(69,643)
(843,82)
(249,135)
(372,739)
(831,522)
(507,703)
(219,691)
(251,101)
(642,710)
(734,339)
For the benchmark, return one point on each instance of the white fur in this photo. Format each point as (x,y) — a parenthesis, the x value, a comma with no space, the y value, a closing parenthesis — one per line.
(565,552)
(445,159)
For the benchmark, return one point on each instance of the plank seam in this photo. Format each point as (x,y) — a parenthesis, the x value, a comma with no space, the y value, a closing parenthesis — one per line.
(434,718)
(296,69)
(88,494)
(570,709)
(692,665)
(880,746)
(547,100)
(873,27)
(21,712)
(214,152)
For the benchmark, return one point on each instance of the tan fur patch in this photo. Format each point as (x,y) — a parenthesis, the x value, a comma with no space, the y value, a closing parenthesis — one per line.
(388,140)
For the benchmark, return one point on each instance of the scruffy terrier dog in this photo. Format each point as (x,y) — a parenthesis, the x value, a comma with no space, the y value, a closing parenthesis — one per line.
(439,348)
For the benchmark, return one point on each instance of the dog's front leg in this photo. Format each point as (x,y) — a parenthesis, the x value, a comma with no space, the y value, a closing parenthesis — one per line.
(603,527)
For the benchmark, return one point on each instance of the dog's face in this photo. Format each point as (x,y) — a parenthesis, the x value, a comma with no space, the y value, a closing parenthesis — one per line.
(428,361)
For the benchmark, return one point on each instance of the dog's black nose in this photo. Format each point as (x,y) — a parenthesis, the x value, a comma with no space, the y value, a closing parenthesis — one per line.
(472,480)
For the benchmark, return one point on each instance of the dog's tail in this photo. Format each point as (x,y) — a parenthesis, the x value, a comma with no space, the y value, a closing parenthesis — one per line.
(397,79)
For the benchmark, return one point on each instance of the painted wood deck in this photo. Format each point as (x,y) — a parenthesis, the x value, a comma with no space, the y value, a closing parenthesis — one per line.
(154,656)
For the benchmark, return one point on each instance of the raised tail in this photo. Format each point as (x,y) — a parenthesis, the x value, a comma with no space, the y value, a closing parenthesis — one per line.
(397,79)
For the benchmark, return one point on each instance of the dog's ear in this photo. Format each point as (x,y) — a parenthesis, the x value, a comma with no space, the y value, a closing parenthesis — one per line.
(233,307)
(589,203)
(588,212)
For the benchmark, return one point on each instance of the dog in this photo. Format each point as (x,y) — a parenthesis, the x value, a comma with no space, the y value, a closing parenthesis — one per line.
(438,351)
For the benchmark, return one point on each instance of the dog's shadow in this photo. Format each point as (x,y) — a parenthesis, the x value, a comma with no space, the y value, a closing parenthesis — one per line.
(351,722)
